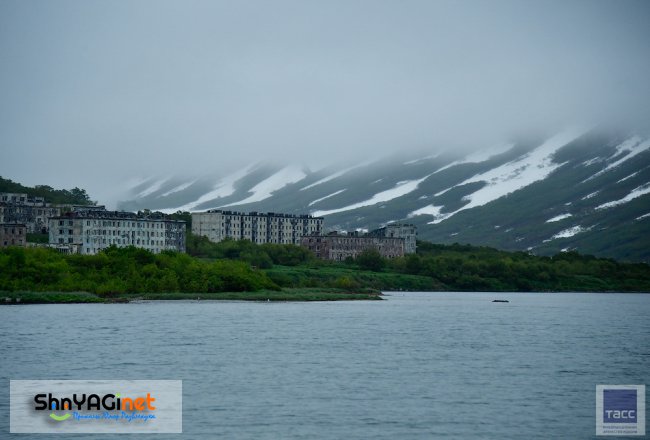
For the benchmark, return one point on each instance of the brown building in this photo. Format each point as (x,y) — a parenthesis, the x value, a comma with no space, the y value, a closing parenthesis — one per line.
(13,234)
(338,247)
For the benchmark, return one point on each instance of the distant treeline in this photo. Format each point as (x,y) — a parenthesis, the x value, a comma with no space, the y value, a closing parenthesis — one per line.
(241,266)
(465,267)
(74,196)
(448,267)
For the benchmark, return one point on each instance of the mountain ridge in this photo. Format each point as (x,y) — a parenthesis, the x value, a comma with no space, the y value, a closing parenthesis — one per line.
(583,190)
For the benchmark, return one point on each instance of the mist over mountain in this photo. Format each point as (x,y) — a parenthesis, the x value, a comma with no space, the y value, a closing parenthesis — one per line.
(96,94)
(436,112)
(580,189)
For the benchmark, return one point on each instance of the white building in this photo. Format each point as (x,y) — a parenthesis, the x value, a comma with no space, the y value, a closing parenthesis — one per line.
(90,231)
(256,227)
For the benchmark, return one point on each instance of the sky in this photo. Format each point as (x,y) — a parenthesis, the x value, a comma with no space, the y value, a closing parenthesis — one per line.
(96,93)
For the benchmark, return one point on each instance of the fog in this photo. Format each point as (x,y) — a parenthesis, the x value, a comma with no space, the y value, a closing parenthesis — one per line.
(95,93)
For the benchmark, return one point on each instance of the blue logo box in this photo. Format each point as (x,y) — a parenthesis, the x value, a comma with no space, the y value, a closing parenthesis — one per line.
(619,406)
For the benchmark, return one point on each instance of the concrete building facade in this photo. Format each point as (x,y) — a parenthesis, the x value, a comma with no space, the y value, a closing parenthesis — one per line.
(338,247)
(33,212)
(256,227)
(406,231)
(13,234)
(90,231)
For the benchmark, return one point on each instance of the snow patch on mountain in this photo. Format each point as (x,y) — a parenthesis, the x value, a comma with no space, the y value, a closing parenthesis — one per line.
(152,189)
(326,197)
(628,149)
(636,192)
(439,193)
(223,188)
(643,216)
(627,177)
(588,196)
(557,218)
(592,161)
(432,156)
(434,211)
(400,189)
(266,188)
(427,210)
(337,174)
(566,233)
(514,175)
(479,156)
(179,188)
(633,148)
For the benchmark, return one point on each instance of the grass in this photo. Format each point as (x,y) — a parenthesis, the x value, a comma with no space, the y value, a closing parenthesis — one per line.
(49,298)
(349,279)
(299,294)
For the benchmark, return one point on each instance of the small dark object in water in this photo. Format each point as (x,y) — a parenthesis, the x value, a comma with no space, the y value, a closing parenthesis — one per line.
(500,301)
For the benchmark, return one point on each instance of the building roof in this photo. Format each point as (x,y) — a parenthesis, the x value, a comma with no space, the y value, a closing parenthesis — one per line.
(259,214)
(116,215)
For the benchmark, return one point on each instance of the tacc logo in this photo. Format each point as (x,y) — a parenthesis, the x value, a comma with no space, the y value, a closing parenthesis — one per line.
(620,410)
(619,406)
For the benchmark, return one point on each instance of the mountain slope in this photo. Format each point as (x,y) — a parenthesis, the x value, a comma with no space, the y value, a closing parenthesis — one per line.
(576,190)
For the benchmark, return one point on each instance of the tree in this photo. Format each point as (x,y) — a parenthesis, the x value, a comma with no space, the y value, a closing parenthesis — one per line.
(370,259)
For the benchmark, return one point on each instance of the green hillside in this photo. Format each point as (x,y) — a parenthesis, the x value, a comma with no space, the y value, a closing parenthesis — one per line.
(74,196)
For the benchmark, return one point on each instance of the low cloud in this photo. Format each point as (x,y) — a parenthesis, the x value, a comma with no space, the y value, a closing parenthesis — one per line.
(95,93)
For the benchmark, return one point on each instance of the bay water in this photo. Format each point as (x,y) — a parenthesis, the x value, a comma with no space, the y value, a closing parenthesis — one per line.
(414,366)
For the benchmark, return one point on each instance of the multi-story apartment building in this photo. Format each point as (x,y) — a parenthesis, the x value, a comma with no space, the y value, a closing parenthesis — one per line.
(338,247)
(33,212)
(399,230)
(257,227)
(90,231)
(12,234)
(19,198)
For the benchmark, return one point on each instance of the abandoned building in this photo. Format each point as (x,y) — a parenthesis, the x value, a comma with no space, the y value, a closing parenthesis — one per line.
(33,212)
(89,231)
(406,231)
(13,234)
(391,241)
(337,247)
(256,227)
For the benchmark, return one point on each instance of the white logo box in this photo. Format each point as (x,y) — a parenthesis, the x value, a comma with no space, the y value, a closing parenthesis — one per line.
(620,429)
(167,417)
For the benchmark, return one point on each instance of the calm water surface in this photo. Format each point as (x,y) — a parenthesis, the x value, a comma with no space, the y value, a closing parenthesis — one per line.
(418,365)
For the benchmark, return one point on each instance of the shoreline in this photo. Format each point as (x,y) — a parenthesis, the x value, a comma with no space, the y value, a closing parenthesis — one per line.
(296,294)
(285,295)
